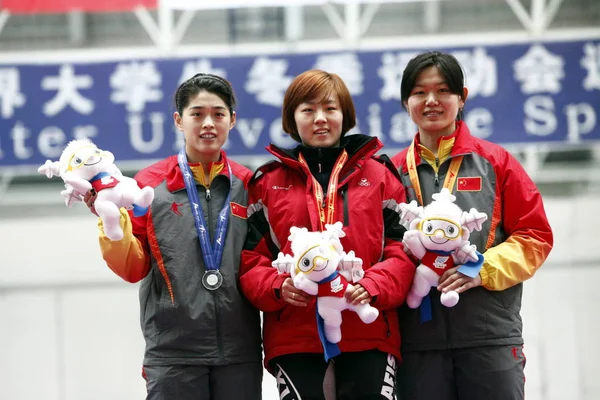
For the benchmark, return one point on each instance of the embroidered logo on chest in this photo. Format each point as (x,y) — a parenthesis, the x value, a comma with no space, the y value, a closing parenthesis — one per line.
(440,262)
(275,187)
(175,208)
(364,182)
(336,285)
(469,184)
(239,210)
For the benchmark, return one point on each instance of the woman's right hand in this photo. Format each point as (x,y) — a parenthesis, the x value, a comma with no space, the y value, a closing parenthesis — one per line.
(293,295)
(89,199)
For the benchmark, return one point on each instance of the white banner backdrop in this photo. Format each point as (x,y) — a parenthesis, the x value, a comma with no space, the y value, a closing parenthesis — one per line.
(221,4)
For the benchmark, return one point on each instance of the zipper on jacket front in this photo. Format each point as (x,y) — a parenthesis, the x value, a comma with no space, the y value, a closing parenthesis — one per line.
(436,177)
(319,156)
(207,196)
(387,324)
(218,325)
(345,200)
(447,319)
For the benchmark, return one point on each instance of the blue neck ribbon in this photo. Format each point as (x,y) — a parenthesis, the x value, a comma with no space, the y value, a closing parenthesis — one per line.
(330,350)
(211,253)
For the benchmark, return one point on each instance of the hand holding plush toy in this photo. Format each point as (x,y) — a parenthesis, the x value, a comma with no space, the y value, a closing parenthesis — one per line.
(438,235)
(320,267)
(83,167)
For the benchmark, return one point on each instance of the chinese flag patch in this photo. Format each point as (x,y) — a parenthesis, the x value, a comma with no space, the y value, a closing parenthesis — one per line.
(469,184)
(238,210)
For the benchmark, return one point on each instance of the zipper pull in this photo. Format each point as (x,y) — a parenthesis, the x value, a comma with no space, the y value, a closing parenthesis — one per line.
(320,168)
(207,194)
(437,180)
(324,201)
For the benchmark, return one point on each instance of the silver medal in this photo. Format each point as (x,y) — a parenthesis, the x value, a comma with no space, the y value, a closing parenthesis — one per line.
(212,279)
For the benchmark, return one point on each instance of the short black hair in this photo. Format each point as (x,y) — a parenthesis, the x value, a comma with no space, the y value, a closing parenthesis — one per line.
(448,66)
(204,82)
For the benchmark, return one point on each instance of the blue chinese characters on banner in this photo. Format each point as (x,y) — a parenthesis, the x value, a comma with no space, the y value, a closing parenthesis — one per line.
(521,93)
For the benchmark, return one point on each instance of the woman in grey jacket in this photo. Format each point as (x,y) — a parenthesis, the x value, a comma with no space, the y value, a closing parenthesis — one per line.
(473,350)
(202,336)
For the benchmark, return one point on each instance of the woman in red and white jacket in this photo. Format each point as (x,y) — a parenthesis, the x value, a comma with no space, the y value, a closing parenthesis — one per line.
(327,171)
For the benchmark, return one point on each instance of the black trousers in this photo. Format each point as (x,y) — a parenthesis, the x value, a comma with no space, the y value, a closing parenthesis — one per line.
(366,375)
(191,382)
(490,373)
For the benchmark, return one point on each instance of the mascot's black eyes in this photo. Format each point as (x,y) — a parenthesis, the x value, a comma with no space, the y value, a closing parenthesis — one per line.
(97,151)
(450,229)
(306,262)
(78,160)
(428,228)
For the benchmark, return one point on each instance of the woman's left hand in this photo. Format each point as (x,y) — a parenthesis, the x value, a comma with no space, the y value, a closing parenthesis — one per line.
(454,280)
(89,198)
(358,295)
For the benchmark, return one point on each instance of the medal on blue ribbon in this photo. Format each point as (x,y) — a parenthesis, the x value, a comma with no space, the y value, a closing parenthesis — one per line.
(211,253)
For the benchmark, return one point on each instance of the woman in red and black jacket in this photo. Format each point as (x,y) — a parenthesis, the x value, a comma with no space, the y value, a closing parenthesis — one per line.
(327,171)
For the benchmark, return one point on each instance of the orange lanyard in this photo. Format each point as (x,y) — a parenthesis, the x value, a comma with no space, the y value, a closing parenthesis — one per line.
(327,217)
(414,177)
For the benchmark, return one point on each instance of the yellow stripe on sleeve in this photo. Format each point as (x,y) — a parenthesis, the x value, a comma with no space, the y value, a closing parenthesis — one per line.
(125,257)
(512,262)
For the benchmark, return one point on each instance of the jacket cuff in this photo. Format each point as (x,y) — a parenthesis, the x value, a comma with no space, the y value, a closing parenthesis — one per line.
(485,277)
(276,286)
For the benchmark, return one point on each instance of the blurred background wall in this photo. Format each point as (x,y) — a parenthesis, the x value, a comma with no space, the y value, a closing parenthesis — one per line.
(69,328)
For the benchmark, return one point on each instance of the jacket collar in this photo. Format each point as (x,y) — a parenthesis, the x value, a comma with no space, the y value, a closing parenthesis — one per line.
(360,148)
(175,180)
(463,143)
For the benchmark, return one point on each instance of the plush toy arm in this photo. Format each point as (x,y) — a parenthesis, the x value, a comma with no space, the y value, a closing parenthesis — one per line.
(412,241)
(79,184)
(303,283)
(296,232)
(71,195)
(409,211)
(467,252)
(335,231)
(349,261)
(50,169)
(473,220)
(284,263)
(352,265)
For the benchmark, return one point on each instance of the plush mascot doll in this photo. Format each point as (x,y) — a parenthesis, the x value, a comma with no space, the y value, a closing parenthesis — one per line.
(320,267)
(438,235)
(83,166)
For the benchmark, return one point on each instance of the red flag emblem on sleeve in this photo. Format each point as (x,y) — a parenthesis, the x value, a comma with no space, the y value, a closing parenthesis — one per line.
(469,184)
(239,210)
